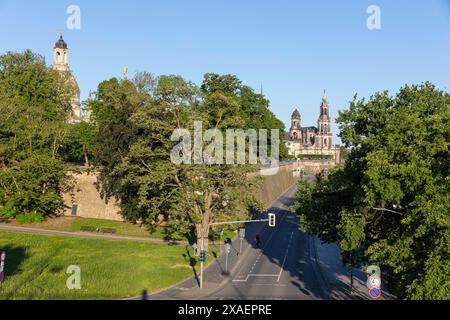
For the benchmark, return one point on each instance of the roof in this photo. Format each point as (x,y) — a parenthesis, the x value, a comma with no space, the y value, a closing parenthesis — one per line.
(308,128)
(61,44)
(296,114)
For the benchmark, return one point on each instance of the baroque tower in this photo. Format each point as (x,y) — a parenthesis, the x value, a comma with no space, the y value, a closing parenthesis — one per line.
(324,135)
(61,64)
(296,129)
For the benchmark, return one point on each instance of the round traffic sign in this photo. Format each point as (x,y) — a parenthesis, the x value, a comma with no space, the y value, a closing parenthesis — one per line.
(374,282)
(375,293)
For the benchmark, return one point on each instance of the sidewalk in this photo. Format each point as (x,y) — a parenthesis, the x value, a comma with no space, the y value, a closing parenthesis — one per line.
(335,275)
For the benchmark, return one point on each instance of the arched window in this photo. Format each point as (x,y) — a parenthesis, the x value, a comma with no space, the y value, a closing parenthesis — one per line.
(325,142)
(295,135)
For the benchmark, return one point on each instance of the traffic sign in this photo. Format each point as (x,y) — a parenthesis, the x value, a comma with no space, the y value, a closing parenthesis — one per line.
(2,266)
(375,293)
(374,281)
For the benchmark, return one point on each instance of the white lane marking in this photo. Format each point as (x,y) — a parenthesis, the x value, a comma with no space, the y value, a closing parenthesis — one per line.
(283,219)
(255,275)
(285,257)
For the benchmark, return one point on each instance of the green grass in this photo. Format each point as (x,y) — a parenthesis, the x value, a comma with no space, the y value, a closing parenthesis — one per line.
(123,228)
(36,267)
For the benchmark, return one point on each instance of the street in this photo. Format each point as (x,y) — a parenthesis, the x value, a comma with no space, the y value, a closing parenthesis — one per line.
(283,268)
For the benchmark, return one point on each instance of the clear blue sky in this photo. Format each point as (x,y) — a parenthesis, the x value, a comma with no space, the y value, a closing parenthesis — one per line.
(294,48)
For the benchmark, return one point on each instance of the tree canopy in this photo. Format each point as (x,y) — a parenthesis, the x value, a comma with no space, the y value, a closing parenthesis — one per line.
(34,108)
(389,204)
(135,121)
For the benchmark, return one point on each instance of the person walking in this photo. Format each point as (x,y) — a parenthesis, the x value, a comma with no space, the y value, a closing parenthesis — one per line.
(258,241)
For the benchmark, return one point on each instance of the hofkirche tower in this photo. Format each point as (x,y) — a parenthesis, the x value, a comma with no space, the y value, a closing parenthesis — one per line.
(304,141)
(61,64)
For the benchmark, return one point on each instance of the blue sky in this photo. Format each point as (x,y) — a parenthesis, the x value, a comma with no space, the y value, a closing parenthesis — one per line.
(294,48)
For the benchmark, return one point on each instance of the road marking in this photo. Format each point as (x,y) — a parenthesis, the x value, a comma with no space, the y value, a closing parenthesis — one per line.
(255,275)
(285,257)
(262,285)
(283,219)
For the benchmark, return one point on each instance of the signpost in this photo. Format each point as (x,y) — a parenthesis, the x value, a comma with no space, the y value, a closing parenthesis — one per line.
(374,282)
(202,260)
(241,236)
(227,252)
(221,234)
(2,266)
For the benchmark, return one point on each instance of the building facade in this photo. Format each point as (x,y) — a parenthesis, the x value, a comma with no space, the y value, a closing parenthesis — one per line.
(313,141)
(61,64)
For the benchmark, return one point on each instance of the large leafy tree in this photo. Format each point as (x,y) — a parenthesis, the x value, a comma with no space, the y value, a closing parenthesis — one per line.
(34,108)
(80,143)
(390,204)
(136,120)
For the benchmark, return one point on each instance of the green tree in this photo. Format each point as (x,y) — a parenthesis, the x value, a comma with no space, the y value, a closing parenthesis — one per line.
(138,170)
(80,143)
(389,204)
(34,110)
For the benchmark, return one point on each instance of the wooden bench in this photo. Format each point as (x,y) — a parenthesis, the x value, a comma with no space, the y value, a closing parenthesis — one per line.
(88,229)
(107,230)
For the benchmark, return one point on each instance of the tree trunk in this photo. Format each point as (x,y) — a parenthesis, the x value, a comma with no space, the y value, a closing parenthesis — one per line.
(198,228)
(86,158)
(202,229)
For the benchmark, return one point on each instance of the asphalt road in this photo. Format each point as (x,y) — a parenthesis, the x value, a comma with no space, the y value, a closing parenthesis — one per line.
(282,268)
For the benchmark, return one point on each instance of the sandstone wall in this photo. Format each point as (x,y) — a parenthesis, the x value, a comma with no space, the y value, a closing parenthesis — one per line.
(86,200)
(276,185)
(87,203)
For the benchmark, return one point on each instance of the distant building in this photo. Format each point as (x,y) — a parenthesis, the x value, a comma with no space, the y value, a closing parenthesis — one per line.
(313,141)
(61,64)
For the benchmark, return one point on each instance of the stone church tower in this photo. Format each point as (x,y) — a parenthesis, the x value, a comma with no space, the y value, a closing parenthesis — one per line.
(61,64)
(324,136)
(296,129)
(313,142)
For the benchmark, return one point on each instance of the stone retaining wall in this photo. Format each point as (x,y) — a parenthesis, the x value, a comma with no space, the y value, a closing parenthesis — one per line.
(86,201)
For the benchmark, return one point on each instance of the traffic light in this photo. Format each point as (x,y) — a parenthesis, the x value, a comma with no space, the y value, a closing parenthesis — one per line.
(272,220)
(202,256)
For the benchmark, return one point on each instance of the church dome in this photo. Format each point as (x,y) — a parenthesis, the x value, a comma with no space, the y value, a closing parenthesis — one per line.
(296,114)
(61,44)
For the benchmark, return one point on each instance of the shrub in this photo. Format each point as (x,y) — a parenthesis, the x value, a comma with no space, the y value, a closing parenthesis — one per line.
(31,217)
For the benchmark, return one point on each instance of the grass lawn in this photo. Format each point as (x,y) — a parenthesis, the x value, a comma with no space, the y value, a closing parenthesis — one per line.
(74,224)
(36,267)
